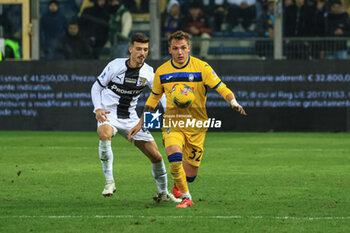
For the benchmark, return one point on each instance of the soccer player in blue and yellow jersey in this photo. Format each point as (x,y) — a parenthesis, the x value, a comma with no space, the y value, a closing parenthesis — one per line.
(184,146)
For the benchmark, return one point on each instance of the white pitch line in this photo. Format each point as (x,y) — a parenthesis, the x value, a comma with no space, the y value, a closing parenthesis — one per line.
(305,149)
(180,217)
(56,147)
(291,149)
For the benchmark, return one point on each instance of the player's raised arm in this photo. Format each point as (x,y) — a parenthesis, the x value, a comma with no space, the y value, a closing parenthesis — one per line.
(213,81)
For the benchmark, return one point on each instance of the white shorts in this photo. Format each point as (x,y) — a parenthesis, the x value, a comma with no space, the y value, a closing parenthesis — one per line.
(123,127)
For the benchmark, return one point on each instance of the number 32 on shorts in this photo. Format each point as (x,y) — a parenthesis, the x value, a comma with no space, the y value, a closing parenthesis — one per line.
(196,155)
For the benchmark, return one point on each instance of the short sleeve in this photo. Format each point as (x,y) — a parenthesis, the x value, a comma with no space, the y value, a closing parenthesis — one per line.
(150,78)
(210,78)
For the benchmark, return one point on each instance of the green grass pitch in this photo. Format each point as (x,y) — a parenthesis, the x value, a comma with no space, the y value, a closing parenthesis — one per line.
(248,182)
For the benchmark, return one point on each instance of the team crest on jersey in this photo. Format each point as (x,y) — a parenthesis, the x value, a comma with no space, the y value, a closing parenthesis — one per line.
(191,77)
(141,82)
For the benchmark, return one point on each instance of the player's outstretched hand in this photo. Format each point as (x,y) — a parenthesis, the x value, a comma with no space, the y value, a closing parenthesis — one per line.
(134,130)
(239,109)
(101,115)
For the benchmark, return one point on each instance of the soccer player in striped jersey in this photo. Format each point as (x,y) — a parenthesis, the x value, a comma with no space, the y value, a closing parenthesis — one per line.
(184,146)
(114,95)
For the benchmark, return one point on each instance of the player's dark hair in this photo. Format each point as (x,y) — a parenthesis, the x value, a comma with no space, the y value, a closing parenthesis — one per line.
(139,37)
(179,35)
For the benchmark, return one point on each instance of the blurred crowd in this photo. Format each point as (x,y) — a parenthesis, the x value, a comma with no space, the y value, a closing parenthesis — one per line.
(83,29)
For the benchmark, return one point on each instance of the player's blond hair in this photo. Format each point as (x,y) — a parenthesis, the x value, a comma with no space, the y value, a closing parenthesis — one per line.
(179,35)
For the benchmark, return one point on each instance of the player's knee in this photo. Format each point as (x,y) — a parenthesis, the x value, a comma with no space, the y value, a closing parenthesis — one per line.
(105,132)
(190,179)
(104,136)
(156,158)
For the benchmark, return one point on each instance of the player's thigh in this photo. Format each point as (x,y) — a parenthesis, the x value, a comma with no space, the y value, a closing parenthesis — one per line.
(173,142)
(150,149)
(193,149)
(106,132)
(142,135)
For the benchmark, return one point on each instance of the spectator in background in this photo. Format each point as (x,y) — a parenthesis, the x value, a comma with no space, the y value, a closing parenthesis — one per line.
(261,8)
(299,21)
(337,25)
(52,26)
(288,3)
(264,28)
(137,6)
(11,22)
(346,5)
(12,49)
(172,21)
(72,45)
(83,5)
(321,13)
(196,24)
(318,46)
(241,12)
(120,25)
(217,13)
(93,25)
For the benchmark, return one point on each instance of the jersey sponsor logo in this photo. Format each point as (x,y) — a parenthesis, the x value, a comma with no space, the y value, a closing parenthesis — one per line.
(130,80)
(120,91)
(103,75)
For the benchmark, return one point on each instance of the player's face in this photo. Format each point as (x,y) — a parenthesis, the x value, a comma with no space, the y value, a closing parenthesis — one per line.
(179,50)
(139,52)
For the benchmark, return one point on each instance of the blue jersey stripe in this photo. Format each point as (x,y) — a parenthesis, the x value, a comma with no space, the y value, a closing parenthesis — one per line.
(217,85)
(181,75)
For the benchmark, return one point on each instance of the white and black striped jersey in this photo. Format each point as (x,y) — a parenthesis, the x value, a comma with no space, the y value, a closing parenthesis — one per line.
(118,87)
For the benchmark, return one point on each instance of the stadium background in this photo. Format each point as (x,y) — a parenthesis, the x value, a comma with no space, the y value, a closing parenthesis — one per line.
(278,95)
